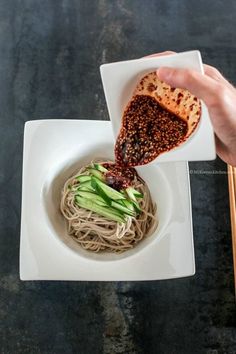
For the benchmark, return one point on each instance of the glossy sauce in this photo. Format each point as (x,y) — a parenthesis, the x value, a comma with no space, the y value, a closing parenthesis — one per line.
(147,131)
(119,177)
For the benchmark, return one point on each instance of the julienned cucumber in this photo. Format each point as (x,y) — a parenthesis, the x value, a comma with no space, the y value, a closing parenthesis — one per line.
(103,195)
(137,207)
(100,201)
(128,204)
(100,168)
(134,192)
(83,178)
(97,174)
(101,187)
(132,197)
(85,189)
(131,205)
(86,186)
(122,208)
(109,213)
(92,196)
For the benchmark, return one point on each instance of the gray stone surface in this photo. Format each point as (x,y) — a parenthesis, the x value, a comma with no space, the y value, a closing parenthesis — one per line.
(50,52)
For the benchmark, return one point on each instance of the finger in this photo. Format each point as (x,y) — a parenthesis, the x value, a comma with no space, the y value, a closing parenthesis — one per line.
(202,86)
(212,72)
(167,52)
(215,74)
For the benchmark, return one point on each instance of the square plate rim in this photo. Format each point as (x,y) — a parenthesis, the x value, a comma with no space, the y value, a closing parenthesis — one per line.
(27,129)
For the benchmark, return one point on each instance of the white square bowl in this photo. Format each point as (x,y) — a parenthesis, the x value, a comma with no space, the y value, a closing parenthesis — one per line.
(53,150)
(119,81)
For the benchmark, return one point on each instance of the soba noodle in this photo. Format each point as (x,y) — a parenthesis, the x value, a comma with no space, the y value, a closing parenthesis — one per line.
(96,233)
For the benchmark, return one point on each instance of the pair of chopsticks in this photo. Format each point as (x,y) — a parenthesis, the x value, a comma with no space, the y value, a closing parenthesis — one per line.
(232,202)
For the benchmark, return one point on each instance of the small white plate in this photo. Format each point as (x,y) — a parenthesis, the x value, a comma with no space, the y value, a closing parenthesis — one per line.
(119,81)
(53,150)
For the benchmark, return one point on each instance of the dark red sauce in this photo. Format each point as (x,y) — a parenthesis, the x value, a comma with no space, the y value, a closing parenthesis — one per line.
(119,177)
(147,131)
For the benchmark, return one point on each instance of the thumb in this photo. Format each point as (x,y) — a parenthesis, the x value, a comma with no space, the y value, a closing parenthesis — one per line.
(198,84)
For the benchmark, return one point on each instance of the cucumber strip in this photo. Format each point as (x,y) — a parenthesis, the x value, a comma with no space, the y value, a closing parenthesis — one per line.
(131,194)
(122,208)
(132,204)
(133,199)
(128,204)
(136,193)
(106,190)
(100,168)
(83,178)
(92,196)
(109,213)
(103,195)
(136,207)
(102,203)
(97,174)
(87,185)
(85,189)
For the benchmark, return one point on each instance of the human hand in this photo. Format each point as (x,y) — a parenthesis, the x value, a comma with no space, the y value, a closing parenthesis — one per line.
(218,95)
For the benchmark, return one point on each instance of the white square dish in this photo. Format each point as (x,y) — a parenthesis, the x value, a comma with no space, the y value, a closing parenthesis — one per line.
(53,150)
(119,81)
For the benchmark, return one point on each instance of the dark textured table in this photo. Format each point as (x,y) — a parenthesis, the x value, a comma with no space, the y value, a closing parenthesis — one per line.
(50,52)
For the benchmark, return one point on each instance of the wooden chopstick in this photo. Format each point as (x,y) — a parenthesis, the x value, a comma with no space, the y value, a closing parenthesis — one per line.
(232,202)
